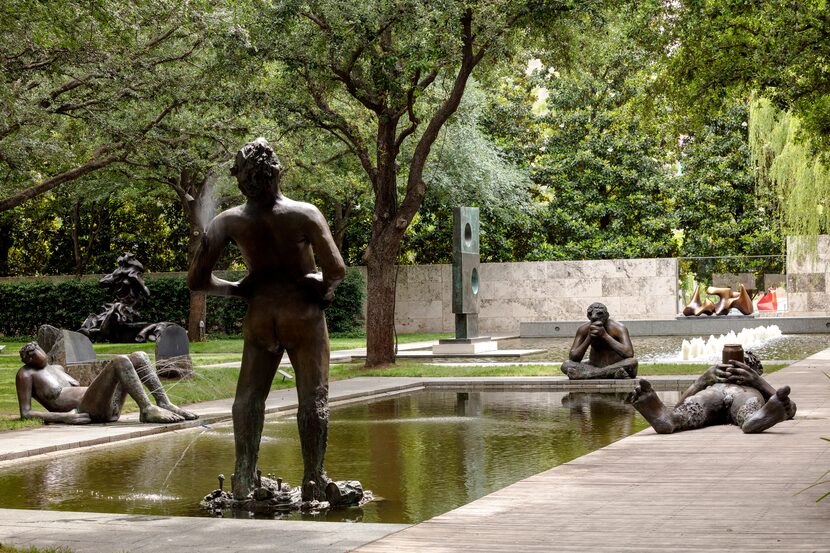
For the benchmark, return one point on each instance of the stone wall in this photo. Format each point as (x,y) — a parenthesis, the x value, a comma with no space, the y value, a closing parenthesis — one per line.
(539,291)
(808,277)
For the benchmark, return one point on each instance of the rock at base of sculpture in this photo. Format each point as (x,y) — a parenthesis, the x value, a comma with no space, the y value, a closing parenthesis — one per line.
(173,353)
(275,497)
(611,356)
(71,350)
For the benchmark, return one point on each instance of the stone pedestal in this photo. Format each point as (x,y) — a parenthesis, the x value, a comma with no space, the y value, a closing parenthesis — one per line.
(480,344)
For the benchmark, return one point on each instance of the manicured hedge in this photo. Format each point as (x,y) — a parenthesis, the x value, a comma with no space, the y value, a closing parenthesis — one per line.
(25,305)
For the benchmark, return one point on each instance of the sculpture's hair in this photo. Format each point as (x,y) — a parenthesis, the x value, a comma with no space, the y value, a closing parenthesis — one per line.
(753,361)
(27,350)
(257,166)
(597,305)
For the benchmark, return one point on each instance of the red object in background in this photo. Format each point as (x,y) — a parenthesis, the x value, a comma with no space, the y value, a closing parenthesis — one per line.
(769,302)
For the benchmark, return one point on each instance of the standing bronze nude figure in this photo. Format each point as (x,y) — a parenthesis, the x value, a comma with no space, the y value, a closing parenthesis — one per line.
(102,401)
(726,393)
(612,355)
(279,239)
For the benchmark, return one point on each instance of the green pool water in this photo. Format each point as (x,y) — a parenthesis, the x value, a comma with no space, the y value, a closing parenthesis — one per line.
(421,455)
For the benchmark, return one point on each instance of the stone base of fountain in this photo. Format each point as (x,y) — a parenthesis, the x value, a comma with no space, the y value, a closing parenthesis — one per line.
(274,497)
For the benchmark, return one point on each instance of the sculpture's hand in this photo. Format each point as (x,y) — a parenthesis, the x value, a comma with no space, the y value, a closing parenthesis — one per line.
(324,294)
(73,417)
(714,374)
(740,373)
(598,329)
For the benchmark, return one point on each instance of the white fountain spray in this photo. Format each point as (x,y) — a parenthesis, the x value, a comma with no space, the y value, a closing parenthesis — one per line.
(749,338)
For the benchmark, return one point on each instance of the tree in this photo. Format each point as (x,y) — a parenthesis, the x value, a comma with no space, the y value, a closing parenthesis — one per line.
(718,50)
(369,74)
(790,170)
(85,85)
(597,162)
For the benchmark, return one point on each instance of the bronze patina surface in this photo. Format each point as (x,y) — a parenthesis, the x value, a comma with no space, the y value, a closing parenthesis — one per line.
(279,239)
(612,355)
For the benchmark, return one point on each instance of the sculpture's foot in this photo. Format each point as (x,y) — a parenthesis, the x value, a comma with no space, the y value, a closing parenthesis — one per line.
(314,486)
(776,409)
(645,400)
(158,415)
(179,411)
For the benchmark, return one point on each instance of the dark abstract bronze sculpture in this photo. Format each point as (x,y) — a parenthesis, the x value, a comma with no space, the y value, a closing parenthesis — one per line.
(279,239)
(740,300)
(733,392)
(612,355)
(68,402)
(119,321)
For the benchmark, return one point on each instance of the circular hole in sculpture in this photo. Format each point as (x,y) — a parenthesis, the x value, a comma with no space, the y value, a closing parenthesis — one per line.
(474,282)
(468,235)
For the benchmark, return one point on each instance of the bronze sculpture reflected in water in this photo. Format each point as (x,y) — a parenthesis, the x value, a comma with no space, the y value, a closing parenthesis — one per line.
(727,393)
(612,355)
(279,239)
(68,402)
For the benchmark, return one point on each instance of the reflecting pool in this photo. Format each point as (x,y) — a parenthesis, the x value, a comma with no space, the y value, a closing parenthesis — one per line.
(421,455)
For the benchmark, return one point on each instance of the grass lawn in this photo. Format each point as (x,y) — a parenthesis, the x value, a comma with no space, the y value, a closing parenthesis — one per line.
(211,383)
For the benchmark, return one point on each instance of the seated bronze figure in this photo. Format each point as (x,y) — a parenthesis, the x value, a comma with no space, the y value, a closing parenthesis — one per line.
(612,355)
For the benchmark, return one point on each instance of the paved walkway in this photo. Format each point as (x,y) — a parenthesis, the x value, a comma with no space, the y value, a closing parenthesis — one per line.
(643,493)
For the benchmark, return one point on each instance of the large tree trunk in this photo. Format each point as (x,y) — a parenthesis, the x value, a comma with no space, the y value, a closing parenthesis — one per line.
(380,310)
(197,316)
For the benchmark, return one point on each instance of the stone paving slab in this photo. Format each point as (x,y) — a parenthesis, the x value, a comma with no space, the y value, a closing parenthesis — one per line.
(109,533)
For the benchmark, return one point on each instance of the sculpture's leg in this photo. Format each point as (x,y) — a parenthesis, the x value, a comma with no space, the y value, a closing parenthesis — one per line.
(147,374)
(777,408)
(311,362)
(627,368)
(743,302)
(258,368)
(105,397)
(692,307)
(702,409)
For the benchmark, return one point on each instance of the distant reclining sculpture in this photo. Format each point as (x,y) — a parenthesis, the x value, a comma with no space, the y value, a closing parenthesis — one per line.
(740,300)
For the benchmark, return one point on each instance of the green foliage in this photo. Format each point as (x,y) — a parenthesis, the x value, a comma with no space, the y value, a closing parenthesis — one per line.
(24,306)
(597,164)
(790,169)
(718,207)
(719,50)
(345,315)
